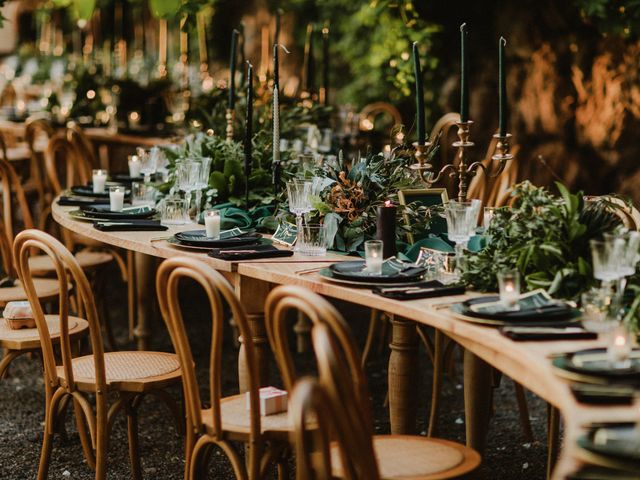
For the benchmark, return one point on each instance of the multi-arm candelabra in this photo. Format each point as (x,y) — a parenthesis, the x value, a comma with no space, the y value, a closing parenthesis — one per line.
(461,170)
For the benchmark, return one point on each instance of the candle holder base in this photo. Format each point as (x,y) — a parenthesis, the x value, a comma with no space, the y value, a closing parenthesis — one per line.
(502,147)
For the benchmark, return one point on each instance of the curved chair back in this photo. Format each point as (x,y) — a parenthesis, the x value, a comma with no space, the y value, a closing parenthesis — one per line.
(12,189)
(69,273)
(3,146)
(35,129)
(317,420)
(219,293)
(5,253)
(320,312)
(83,146)
(63,161)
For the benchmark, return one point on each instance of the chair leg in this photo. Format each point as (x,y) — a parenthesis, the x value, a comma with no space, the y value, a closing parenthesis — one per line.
(9,356)
(132,434)
(438,343)
(85,438)
(374,322)
(98,287)
(51,409)
(553,438)
(131,293)
(523,410)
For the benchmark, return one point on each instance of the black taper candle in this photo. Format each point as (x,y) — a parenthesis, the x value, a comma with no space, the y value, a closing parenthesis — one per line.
(232,68)
(307,76)
(248,147)
(276,67)
(386,228)
(278,20)
(502,89)
(325,63)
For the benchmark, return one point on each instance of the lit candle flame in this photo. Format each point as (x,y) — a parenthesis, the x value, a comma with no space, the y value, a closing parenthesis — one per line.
(388,203)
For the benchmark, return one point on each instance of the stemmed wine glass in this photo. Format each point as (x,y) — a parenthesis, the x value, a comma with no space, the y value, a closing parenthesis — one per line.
(187,177)
(148,162)
(202,181)
(462,218)
(299,193)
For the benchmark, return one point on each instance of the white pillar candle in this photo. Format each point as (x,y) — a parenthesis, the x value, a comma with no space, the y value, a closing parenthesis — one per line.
(212,223)
(373,250)
(116,198)
(134,166)
(99,178)
(619,348)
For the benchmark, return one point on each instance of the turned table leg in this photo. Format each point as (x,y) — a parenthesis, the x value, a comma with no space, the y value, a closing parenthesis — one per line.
(403,370)
(252,294)
(145,298)
(477,400)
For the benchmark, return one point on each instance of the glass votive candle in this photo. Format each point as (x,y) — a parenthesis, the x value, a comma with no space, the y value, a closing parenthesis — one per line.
(619,347)
(116,198)
(489,212)
(373,256)
(134,166)
(509,285)
(212,223)
(99,179)
(593,305)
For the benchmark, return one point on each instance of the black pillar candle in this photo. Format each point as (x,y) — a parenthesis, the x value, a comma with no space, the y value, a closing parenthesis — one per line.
(386,228)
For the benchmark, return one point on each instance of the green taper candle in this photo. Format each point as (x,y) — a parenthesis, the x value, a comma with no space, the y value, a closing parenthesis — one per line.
(232,69)
(502,90)
(419,94)
(464,72)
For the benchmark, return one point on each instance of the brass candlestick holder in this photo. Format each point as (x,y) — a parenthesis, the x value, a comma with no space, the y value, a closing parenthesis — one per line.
(230,117)
(463,170)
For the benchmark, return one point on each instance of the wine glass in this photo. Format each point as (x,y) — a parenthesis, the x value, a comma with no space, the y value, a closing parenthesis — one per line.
(299,195)
(187,176)
(202,181)
(462,218)
(148,162)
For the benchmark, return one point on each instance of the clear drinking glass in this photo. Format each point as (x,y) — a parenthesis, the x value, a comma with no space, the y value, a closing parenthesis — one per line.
(314,240)
(462,219)
(173,211)
(187,178)
(594,307)
(509,285)
(203,180)
(142,194)
(299,195)
(148,163)
(373,256)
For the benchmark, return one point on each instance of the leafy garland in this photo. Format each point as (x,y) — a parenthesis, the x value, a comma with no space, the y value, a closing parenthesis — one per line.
(545,237)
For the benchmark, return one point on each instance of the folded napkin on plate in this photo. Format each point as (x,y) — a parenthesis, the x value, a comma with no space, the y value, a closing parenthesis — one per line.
(81,201)
(130,226)
(420,290)
(249,252)
(604,394)
(547,333)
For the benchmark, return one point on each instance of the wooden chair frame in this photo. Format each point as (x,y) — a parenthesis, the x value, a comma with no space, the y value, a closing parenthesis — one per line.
(198,440)
(34,127)
(93,428)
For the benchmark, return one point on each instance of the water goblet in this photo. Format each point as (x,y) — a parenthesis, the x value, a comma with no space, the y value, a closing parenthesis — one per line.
(202,181)
(187,177)
(299,195)
(148,163)
(462,218)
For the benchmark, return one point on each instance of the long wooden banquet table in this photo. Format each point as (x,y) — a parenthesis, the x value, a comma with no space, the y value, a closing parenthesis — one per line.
(528,363)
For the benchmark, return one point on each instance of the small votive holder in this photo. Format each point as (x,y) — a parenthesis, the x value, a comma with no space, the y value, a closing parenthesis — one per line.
(116,198)
(619,347)
(135,165)
(373,256)
(489,213)
(509,286)
(212,223)
(99,180)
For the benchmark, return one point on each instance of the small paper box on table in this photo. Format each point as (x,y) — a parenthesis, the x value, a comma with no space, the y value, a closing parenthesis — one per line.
(18,315)
(272,400)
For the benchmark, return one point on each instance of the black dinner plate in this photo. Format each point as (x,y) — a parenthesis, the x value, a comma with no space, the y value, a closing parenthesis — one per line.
(104,212)
(126,178)
(594,362)
(552,313)
(355,271)
(618,441)
(198,238)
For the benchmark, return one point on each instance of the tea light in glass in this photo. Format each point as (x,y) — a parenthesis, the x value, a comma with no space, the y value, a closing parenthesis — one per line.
(134,166)
(489,212)
(99,179)
(619,348)
(373,256)
(116,198)
(509,285)
(212,223)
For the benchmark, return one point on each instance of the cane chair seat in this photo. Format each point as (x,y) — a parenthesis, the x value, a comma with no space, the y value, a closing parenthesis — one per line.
(42,265)
(28,339)
(411,457)
(127,371)
(236,420)
(46,290)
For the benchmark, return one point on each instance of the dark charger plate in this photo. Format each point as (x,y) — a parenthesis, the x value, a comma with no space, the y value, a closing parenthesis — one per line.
(104,212)
(198,238)
(355,271)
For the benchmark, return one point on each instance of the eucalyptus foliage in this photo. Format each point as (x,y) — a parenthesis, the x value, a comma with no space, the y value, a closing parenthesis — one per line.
(545,237)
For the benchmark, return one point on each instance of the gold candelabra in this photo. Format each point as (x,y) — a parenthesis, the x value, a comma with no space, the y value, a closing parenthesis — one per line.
(463,171)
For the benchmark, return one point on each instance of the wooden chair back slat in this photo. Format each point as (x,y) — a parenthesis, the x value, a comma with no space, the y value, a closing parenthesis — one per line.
(219,292)
(5,253)
(36,128)
(84,147)
(69,273)
(12,189)
(62,158)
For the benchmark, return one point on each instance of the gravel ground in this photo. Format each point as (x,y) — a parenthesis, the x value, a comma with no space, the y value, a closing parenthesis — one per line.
(508,455)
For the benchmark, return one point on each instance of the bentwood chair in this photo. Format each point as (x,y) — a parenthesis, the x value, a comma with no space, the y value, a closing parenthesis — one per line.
(38,130)
(83,145)
(130,375)
(398,456)
(318,421)
(228,418)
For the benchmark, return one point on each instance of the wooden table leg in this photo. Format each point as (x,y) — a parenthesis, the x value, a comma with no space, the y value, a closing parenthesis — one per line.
(252,294)
(403,389)
(478,393)
(145,298)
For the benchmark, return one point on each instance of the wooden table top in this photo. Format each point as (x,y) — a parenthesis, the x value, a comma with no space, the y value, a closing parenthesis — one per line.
(155,244)
(526,362)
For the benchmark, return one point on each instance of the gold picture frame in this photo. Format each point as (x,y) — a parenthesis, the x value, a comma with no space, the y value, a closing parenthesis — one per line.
(429,197)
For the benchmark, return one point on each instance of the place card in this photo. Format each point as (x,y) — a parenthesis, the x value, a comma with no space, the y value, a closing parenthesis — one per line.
(286,234)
